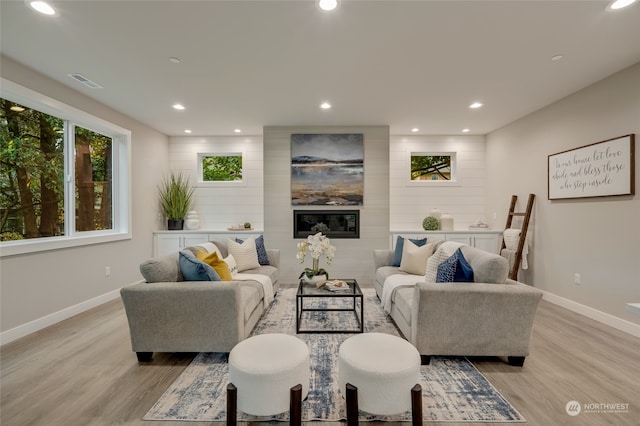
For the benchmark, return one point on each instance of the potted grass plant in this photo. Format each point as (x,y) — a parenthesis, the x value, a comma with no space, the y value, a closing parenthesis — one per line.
(176,198)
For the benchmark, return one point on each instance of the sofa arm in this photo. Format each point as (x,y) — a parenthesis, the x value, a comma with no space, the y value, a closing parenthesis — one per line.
(184,316)
(382,258)
(274,257)
(473,318)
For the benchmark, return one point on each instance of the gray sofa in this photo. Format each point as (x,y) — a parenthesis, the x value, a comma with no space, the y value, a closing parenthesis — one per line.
(173,315)
(492,316)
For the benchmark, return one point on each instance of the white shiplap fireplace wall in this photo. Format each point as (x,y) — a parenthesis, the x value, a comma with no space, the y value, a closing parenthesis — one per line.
(409,203)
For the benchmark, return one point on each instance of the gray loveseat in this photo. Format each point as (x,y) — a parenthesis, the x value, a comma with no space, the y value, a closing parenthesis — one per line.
(492,316)
(173,315)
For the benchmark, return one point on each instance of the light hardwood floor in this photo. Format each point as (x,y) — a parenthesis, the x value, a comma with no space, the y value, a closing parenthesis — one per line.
(82,372)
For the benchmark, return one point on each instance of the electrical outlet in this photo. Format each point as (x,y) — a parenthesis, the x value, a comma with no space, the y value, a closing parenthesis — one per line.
(577,279)
(495,215)
(107,271)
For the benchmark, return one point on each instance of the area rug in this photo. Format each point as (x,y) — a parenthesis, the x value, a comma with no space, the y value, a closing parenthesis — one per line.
(453,389)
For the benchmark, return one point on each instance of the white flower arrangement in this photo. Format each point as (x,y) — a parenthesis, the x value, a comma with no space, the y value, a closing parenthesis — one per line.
(317,245)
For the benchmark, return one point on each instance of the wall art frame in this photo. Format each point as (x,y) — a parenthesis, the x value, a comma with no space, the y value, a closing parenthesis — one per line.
(327,169)
(601,169)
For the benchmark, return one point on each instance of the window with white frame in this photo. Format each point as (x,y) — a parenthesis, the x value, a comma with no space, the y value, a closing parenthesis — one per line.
(64,179)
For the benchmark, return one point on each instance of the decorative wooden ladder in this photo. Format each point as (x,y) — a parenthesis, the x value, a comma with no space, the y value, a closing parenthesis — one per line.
(513,274)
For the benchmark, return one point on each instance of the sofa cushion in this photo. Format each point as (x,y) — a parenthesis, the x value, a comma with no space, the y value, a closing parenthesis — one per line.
(261,250)
(251,294)
(403,300)
(397,254)
(414,257)
(193,269)
(385,271)
(232,264)
(267,270)
(161,269)
(487,267)
(219,265)
(455,269)
(245,253)
(443,251)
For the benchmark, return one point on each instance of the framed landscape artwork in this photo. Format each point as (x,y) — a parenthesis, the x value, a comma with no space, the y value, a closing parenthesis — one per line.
(221,167)
(327,169)
(602,169)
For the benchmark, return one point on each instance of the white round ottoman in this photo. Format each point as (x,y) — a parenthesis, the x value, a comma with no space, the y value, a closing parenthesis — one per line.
(264,368)
(383,367)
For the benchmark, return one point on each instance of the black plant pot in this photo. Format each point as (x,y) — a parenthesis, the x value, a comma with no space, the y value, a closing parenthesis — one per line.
(175,224)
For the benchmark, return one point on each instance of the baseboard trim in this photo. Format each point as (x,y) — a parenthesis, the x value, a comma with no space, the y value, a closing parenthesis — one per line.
(594,314)
(51,319)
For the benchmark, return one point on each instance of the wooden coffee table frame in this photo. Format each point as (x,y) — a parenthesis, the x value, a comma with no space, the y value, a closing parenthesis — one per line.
(307,291)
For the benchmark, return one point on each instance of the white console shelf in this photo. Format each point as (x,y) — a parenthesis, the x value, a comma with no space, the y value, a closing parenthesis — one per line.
(165,242)
(485,239)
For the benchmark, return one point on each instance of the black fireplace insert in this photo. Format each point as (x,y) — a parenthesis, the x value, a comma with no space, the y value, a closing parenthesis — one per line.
(332,223)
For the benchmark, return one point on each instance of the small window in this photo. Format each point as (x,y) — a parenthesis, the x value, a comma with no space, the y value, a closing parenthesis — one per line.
(432,168)
(220,167)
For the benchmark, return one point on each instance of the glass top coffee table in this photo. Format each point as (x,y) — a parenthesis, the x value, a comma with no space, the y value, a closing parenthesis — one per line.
(321,301)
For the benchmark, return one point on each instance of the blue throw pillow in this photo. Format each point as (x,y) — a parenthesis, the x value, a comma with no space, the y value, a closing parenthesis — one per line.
(263,258)
(397,254)
(194,270)
(455,269)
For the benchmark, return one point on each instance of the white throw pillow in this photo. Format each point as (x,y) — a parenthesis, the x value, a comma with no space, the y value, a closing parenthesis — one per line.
(414,258)
(443,252)
(232,264)
(244,253)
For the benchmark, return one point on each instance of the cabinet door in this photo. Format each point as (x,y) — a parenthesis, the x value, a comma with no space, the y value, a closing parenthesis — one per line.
(194,239)
(167,243)
(460,238)
(487,242)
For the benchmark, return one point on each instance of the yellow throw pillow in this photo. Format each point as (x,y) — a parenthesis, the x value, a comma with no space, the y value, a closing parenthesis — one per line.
(216,263)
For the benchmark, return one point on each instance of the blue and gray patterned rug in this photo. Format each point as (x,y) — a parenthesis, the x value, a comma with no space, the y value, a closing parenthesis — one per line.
(453,389)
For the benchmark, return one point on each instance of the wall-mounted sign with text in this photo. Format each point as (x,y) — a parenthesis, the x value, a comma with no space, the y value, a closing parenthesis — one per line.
(601,169)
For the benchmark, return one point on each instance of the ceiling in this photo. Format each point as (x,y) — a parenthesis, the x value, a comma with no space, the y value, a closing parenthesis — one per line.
(248,64)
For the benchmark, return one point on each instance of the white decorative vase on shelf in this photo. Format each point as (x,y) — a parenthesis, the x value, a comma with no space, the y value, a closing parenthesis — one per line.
(435,213)
(192,221)
(446,222)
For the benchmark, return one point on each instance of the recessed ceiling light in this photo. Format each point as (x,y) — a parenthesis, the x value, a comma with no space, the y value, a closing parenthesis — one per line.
(179,107)
(557,57)
(415,129)
(327,5)
(475,105)
(465,130)
(43,7)
(187,131)
(325,105)
(237,130)
(16,108)
(174,60)
(619,4)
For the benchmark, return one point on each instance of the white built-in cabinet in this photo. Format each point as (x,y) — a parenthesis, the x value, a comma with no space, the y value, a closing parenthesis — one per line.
(488,240)
(165,242)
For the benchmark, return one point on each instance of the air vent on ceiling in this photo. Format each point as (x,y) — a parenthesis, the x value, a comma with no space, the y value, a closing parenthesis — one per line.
(84,80)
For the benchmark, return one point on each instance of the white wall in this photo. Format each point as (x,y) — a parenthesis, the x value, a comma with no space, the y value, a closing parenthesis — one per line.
(354,257)
(410,203)
(599,238)
(41,288)
(222,205)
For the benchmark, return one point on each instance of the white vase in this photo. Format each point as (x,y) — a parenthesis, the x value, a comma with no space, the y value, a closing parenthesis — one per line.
(192,221)
(446,222)
(435,213)
(315,280)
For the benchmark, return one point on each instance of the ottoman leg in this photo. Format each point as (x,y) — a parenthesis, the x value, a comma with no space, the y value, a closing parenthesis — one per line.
(232,405)
(351,396)
(416,405)
(295,409)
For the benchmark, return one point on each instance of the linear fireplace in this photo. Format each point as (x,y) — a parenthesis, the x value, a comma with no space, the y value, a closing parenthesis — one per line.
(332,223)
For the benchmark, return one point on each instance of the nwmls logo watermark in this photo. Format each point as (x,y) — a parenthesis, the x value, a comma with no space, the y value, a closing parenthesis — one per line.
(574,408)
